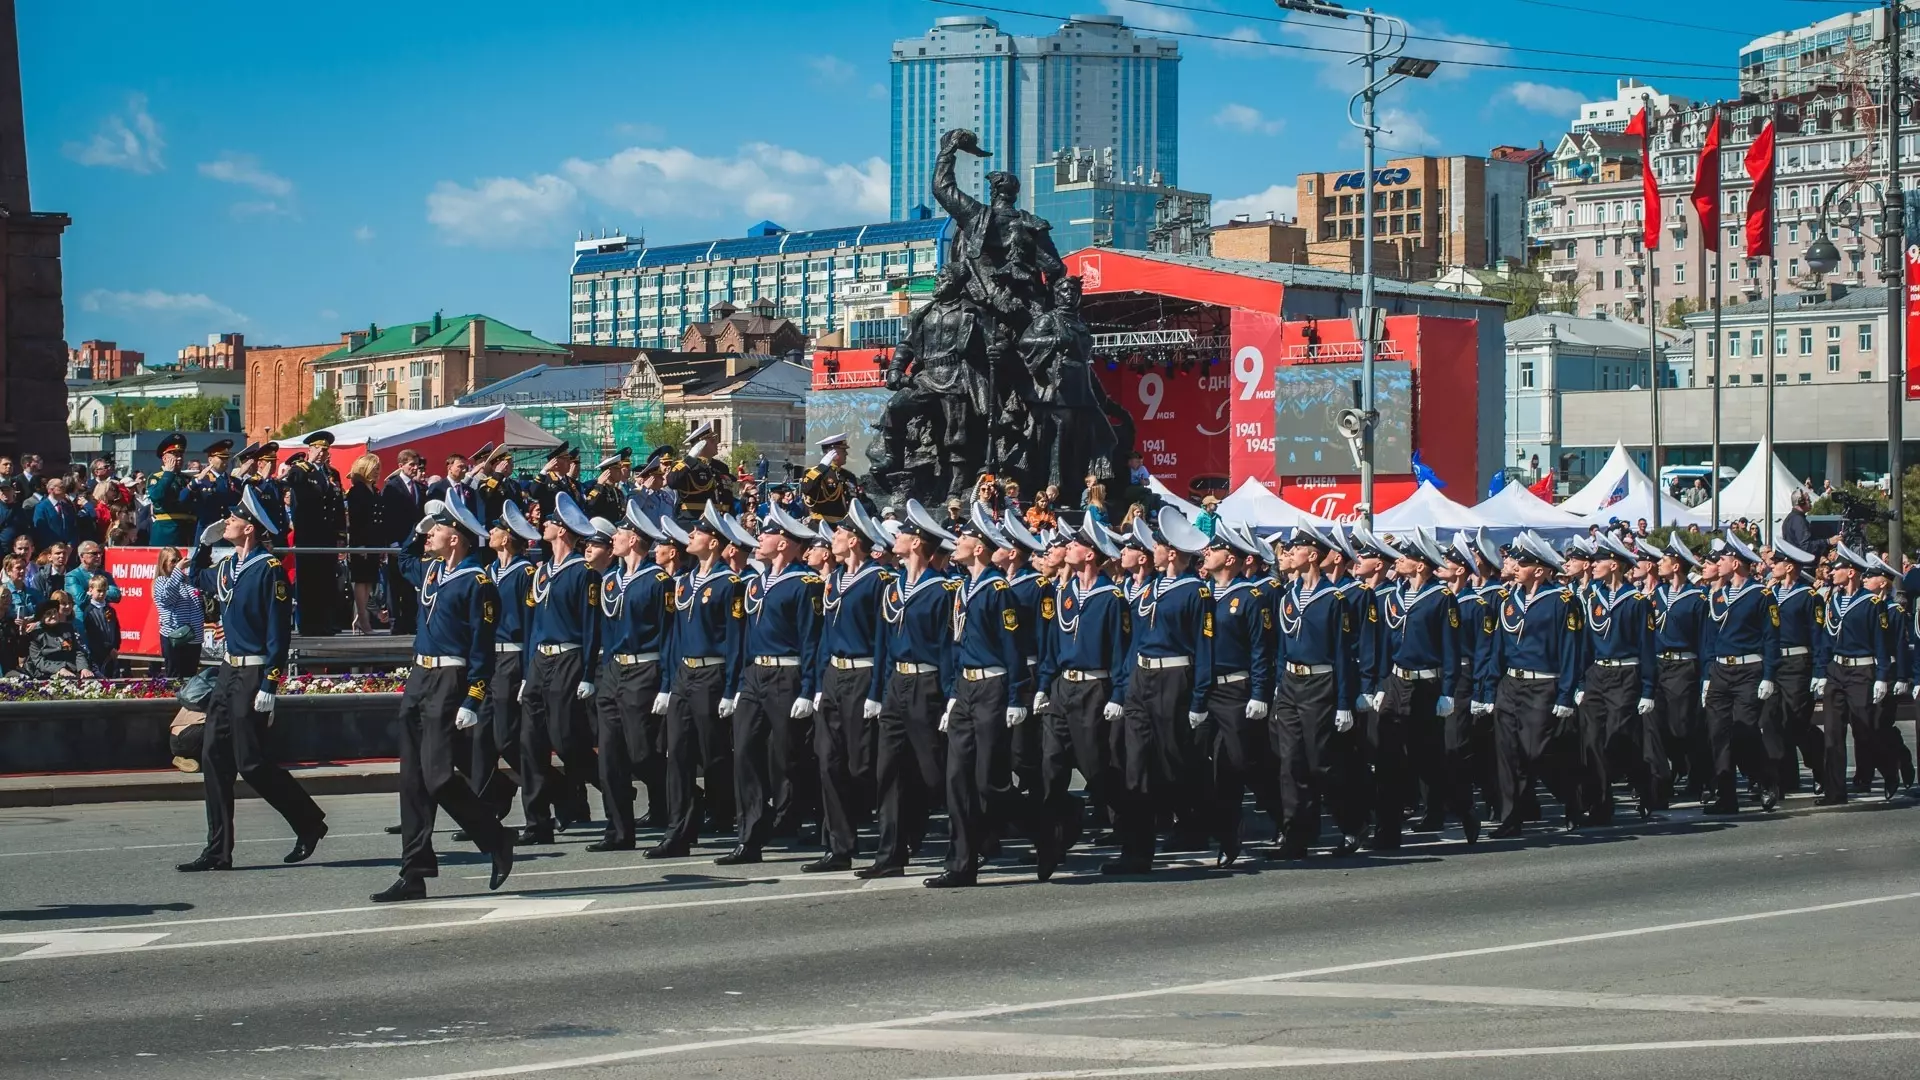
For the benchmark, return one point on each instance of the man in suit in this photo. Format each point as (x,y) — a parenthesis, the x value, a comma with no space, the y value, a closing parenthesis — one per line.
(319,520)
(403,501)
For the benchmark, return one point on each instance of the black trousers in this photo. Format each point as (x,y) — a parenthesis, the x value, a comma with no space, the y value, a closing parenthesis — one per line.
(1077,736)
(428,776)
(180,657)
(316,582)
(1448,769)
(1792,715)
(843,741)
(1849,707)
(1616,741)
(1737,730)
(1237,759)
(1154,756)
(403,599)
(553,718)
(234,742)
(1407,718)
(1316,762)
(699,745)
(626,732)
(981,799)
(910,763)
(1531,743)
(763,749)
(1029,740)
(501,717)
(1683,726)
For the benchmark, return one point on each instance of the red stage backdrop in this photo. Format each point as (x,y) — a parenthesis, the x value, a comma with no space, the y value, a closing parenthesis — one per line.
(1912,359)
(1180,422)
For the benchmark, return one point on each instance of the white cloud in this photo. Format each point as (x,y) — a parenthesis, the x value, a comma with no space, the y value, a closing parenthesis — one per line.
(130,141)
(831,69)
(245,170)
(1282,199)
(502,211)
(148,303)
(761,180)
(363,233)
(1248,119)
(1404,130)
(1148,17)
(1541,98)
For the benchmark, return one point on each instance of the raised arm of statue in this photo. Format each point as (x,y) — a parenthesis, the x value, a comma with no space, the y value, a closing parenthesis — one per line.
(959,205)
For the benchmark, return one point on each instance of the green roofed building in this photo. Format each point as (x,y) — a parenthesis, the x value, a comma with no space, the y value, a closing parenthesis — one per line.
(424,365)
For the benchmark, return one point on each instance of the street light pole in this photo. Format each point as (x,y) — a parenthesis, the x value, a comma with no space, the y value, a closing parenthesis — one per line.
(1893,247)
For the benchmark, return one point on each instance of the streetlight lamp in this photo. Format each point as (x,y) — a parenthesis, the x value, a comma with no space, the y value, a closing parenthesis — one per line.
(1386,38)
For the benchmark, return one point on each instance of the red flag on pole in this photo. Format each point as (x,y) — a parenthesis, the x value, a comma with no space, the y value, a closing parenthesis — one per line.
(1543,487)
(1706,187)
(1760,203)
(1649,189)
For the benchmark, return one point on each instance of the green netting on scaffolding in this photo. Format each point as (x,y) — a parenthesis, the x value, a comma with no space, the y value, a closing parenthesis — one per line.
(596,431)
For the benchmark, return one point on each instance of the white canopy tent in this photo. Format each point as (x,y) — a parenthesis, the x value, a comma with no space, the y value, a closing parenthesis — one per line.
(1187,509)
(1256,507)
(1745,496)
(1620,490)
(1426,508)
(1513,509)
(402,426)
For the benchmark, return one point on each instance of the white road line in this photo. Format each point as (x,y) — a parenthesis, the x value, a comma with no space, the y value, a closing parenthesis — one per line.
(1847,1008)
(188,844)
(1043,1045)
(1222,985)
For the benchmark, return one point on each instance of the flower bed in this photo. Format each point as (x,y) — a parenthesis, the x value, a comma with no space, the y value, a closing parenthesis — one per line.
(17,688)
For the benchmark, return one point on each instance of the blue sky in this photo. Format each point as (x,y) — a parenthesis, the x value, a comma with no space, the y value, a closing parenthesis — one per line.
(291,171)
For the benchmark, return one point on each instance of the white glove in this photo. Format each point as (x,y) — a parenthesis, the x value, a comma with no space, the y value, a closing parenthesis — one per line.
(1705,689)
(869,710)
(1373,703)
(1016,715)
(1343,721)
(728,704)
(1818,688)
(465,719)
(816,701)
(1579,697)
(660,702)
(1764,690)
(946,717)
(1563,712)
(1481,708)
(583,691)
(802,708)
(1040,700)
(1645,707)
(1195,719)
(1900,689)
(1112,710)
(522,695)
(1879,694)
(1256,709)
(263,701)
(1443,706)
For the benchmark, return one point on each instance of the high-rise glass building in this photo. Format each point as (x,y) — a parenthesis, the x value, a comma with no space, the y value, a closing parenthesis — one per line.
(1094,82)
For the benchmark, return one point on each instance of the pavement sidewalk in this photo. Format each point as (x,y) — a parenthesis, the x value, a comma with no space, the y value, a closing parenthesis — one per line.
(66,789)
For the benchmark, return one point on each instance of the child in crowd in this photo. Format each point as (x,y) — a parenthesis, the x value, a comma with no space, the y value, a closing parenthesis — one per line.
(100,629)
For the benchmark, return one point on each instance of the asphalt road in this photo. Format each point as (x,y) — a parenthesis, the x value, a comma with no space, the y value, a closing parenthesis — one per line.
(1782,946)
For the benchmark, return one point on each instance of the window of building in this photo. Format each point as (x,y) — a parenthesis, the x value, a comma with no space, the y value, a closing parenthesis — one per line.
(1793,233)
(1346,230)
(1526,374)
(1618,244)
(1679,274)
(1757,341)
(1733,271)
(1617,279)
(1866,337)
(1393,223)
(1833,358)
(1806,341)
(1397,201)
(1733,343)
(1866,376)
(1599,245)
(1572,249)
(1413,199)
(1779,377)
(1599,280)
(1806,376)
(1709,380)
(1779,343)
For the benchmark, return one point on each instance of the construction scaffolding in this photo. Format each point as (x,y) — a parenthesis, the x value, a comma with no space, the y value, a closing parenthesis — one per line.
(599,408)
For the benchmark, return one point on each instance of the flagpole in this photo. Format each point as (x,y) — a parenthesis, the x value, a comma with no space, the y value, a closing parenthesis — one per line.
(1766,445)
(1713,484)
(1653,368)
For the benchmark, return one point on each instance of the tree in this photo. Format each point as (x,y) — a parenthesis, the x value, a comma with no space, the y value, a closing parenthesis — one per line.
(322,411)
(663,432)
(166,414)
(1522,295)
(1678,311)
(742,454)
(1565,295)
(1873,501)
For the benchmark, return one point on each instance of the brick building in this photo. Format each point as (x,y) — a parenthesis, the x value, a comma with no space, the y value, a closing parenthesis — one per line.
(279,384)
(426,364)
(758,329)
(1434,212)
(222,352)
(97,361)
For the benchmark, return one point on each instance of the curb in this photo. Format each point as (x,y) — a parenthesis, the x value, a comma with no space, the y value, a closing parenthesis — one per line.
(69,790)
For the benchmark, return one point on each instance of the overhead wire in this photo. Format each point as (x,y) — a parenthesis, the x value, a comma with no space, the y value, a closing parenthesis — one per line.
(1584,10)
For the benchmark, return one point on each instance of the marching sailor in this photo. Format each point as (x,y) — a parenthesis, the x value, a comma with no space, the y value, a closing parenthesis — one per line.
(507,537)
(1419,658)
(852,680)
(1235,737)
(1744,647)
(636,608)
(1084,664)
(1319,674)
(1853,660)
(562,637)
(1616,698)
(1680,641)
(1792,707)
(1530,677)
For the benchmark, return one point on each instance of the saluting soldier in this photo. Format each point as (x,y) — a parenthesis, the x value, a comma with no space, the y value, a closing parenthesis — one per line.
(1743,642)
(1085,660)
(1234,738)
(1616,698)
(215,491)
(607,497)
(1792,707)
(445,693)
(700,478)
(507,537)
(171,493)
(562,636)
(1419,659)
(256,616)
(551,480)
(1530,678)
(260,472)
(493,480)
(1680,643)
(319,520)
(636,604)
(1853,660)
(828,489)
(852,681)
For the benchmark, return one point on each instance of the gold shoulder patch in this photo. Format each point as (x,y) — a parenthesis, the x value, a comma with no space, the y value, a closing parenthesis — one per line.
(1206,624)
(280,592)
(739,608)
(1453,618)
(593,592)
(1774,611)
(950,585)
(1046,607)
(810,579)
(489,611)
(1010,619)
(1000,583)
(1206,593)
(273,561)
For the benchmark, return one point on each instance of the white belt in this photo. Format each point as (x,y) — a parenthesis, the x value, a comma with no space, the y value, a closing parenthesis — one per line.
(1616,663)
(1033,661)
(1739,661)
(1794,650)
(702,661)
(431,662)
(1420,675)
(776,661)
(247,661)
(1679,656)
(1309,669)
(556,650)
(631,658)
(1084,674)
(915,669)
(506,646)
(1855,661)
(846,663)
(1232,677)
(1155,663)
(975,674)
(1530,676)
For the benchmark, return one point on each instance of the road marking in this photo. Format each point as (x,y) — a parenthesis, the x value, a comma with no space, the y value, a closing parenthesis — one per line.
(1221,985)
(1849,1008)
(512,907)
(76,942)
(1040,1044)
(188,844)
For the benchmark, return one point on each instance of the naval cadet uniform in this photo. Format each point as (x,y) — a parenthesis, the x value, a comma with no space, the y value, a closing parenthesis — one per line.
(983,711)
(1615,736)
(636,610)
(1235,744)
(1319,675)
(1467,736)
(852,681)
(1854,655)
(1084,668)
(1418,660)
(562,638)
(910,755)
(707,649)
(773,777)
(1744,642)
(1680,624)
(1792,705)
(1172,676)
(1530,678)
(500,713)
(1030,592)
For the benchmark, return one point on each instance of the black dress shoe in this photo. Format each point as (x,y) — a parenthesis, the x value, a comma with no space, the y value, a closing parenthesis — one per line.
(1348,845)
(203,864)
(1383,843)
(951,879)
(401,890)
(826,864)
(1047,852)
(460,836)
(393,830)
(1472,829)
(1229,854)
(877,871)
(1126,867)
(502,862)
(1504,831)
(737,857)
(1429,823)
(666,851)
(610,845)
(303,846)
(1831,800)
(1291,852)
(1769,798)
(535,834)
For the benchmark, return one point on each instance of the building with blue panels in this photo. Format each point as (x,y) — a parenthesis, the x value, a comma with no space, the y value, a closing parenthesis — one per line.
(1088,206)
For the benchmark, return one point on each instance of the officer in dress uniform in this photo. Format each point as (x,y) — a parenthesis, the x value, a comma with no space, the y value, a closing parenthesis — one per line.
(1419,657)
(852,681)
(1616,701)
(1853,661)
(1084,664)
(708,649)
(551,480)
(1792,707)
(263,479)
(492,479)
(215,491)
(319,520)
(562,638)
(256,615)
(1680,640)
(1235,732)
(1166,697)
(828,489)
(171,493)
(1743,642)
(651,477)
(607,496)
(507,537)
(1530,678)
(918,649)
(1319,674)
(445,693)
(636,608)
(773,702)
(700,478)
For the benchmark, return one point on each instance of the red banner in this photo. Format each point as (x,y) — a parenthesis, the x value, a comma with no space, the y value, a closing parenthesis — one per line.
(1179,418)
(1259,348)
(1912,343)
(132,570)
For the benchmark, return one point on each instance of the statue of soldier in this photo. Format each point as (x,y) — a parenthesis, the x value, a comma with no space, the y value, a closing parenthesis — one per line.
(1005,254)
(938,374)
(1069,407)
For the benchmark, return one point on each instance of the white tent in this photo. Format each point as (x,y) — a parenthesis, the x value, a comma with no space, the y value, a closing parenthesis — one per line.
(1620,490)
(1427,508)
(1187,509)
(413,425)
(1745,496)
(1514,508)
(1254,506)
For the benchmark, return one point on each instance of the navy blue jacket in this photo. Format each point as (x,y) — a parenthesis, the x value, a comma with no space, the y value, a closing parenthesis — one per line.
(1621,626)
(709,619)
(564,603)
(1420,631)
(1745,623)
(1797,606)
(1855,627)
(919,618)
(1174,617)
(512,580)
(256,608)
(851,625)
(1087,630)
(986,625)
(1680,620)
(1537,632)
(459,613)
(1242,633)
(783,619)
(637,611)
